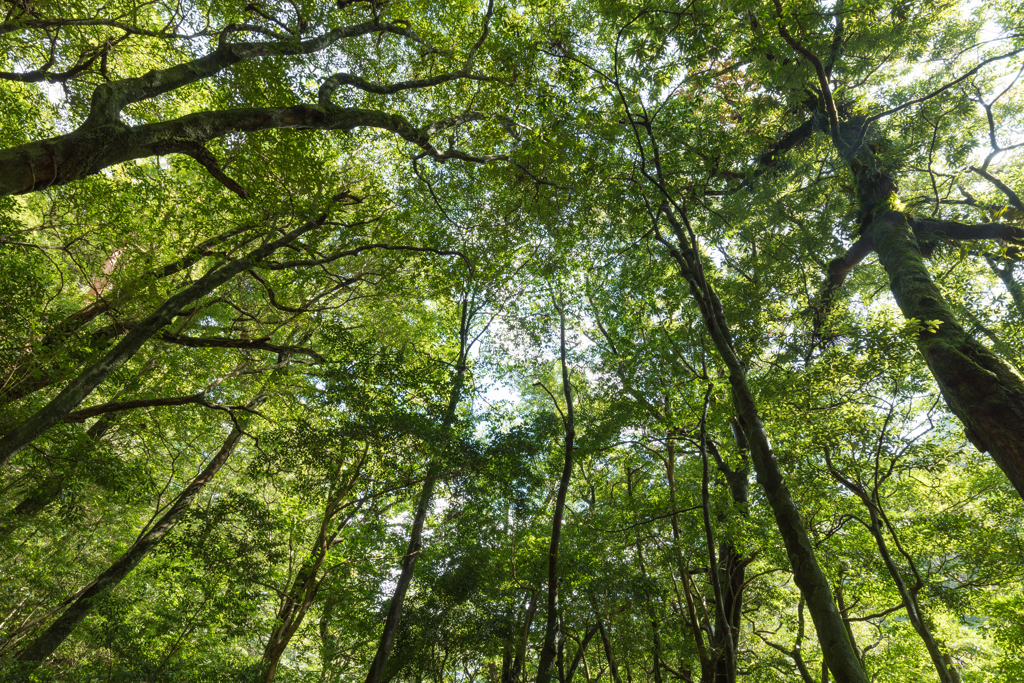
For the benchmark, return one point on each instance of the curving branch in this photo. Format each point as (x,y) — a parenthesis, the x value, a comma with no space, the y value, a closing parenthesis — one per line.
(942,89)
(121,406)
(261,344)
(820,71)
(836,272)
(967,231)
(331,85)
(110,98)
(21,24)
(88,150)
(207,161)
(1011,196)
(987,106)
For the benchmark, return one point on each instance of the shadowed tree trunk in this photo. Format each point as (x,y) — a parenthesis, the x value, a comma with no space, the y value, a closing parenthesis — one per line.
(548,649)
(907,594)
(581,651)
(79,389)
(304,587)
(517,661)
(37,366)
(609,653)
(79,605)
(52,488)
(375,673)
(828,622)
(732,569)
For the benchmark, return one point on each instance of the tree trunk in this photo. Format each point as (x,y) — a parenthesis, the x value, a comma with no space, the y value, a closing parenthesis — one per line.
(37,361)
(90,378)
(394,615)
(908,596)
(79,605)
(580,653)
(656,650)
(807,574)
(613,665)
(724,650)
(732,568)
(51,489)
(516,674)
(985,392)
(548,650)
(304,587)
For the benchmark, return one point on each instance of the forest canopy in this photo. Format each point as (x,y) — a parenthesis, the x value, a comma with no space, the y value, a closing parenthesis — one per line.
(490,342)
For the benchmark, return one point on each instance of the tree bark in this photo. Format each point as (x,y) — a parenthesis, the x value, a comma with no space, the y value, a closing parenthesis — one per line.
(984,391)
(39,373)
(580,652)
(52,488)
(613,665)
(304,587)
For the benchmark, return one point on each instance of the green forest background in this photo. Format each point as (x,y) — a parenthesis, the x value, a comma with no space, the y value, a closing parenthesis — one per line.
(405,341)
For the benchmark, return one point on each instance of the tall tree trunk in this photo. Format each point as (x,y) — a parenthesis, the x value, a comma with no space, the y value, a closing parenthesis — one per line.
(580,653)
(80,604)
(394,615)
(727,653)
(648,600)
(304,587)
(807,574)
(90,378)
(982,389)
(548,651)
(516,673)
(908,596)
(692,622)
(732,568)
(656,650)
(609,653)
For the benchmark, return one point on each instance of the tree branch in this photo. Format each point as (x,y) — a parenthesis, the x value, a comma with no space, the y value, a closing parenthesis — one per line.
(967,231)
(838,269)
(1014,200)
(120,406)
(261,344)
(88,150)
(819,69)
(939,91)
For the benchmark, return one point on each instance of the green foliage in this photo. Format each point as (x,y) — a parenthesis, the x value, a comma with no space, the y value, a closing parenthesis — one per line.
(413,336)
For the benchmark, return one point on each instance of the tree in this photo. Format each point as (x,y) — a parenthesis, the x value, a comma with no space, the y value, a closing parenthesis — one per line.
(767,252)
